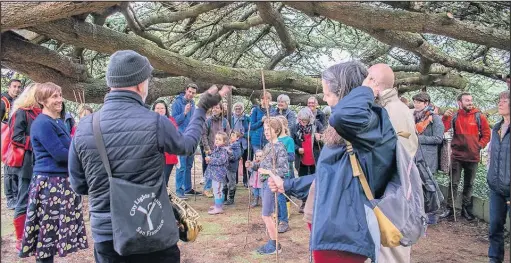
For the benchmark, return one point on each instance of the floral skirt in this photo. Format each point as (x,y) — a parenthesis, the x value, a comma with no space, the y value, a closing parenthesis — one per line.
(54,224)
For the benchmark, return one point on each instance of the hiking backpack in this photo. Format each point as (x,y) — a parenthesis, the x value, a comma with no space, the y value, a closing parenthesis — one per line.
(478,121)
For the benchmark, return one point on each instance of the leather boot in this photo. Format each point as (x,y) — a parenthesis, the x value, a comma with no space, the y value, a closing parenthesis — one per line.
(19,226)
(448,212)
(467,214)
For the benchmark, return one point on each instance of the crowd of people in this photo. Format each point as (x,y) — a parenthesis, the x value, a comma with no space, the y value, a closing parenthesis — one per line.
(129,144)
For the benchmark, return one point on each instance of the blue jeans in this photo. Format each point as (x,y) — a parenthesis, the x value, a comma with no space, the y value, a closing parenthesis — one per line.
(184,175)
(282,208)
(256,192)
(498,213)
(208,184)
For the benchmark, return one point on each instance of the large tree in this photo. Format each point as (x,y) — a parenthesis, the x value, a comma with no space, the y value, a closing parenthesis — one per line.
(429,44)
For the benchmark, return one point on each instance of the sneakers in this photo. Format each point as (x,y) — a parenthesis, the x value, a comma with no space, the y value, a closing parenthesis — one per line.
(193,192)
(283,227)
(269,248)
(208,193)
(216,210)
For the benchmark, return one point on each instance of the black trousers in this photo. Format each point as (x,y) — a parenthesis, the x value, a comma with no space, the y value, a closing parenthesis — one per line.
(469,175)
(10,184)
(22,203)
(104,253)
(306,170)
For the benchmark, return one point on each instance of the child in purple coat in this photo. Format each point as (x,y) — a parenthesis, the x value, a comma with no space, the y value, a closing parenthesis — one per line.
(217,162)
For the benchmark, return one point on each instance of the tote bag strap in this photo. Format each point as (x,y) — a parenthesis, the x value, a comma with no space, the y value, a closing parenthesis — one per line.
(358,172)
(100,144)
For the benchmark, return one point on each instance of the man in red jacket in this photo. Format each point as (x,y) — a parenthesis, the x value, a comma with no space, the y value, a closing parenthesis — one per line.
(471,133)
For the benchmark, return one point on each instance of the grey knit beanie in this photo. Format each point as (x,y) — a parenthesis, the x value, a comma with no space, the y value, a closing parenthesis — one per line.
(127,68)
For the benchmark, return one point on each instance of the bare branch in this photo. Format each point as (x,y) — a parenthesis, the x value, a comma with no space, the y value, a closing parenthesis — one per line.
(350,13)
(24,14)
(181,15)
(271,16)
(135,26)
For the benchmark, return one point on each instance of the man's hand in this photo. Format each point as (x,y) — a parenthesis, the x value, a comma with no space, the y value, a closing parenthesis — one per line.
(300,151)
(448,113)
(276,184)
(317,136)
(188,107)
(248,164)
(212,97)
(207,159)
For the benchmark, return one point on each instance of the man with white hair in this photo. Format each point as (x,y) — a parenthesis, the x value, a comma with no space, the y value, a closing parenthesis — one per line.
(240,123)
(313,104)
(283,103)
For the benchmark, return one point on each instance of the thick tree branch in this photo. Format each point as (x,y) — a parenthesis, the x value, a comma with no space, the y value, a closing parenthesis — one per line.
(349,13)
(415,43)
(24,14)
(135,26)
(94,38)
(181,15)
(273,17)
(409,41)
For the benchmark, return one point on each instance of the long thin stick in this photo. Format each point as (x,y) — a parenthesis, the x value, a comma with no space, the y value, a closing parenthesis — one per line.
(450,176)
(249,192)
(195,193)
(274,168)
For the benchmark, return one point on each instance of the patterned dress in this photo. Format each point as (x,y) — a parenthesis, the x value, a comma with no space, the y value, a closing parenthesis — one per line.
(54,222)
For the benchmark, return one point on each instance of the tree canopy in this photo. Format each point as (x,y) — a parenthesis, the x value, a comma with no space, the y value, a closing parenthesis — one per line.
(448,46)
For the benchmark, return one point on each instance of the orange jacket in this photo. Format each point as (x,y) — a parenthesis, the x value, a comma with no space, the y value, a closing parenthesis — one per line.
(468,140)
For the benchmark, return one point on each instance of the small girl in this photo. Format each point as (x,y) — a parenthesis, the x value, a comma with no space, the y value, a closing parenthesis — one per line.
(216,171)
(290,147)
(254,179)
(273,149)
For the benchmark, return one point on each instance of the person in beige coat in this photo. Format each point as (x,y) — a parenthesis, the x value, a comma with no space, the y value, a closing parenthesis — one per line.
(403,122)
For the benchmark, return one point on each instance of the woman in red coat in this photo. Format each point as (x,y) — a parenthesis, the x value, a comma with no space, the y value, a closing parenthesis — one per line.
(170,159)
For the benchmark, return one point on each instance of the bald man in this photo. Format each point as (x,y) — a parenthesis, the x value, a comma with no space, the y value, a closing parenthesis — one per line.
(381,79)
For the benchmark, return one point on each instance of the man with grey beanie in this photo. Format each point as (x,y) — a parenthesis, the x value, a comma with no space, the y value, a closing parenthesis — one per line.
(135,140)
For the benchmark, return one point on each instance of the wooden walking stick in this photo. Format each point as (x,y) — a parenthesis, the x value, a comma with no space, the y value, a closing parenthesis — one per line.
(273,168)
(249,192)
(449,165)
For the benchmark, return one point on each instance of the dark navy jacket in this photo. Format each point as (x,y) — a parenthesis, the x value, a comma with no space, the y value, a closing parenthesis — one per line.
(498,172)
(339,219)
(135,140)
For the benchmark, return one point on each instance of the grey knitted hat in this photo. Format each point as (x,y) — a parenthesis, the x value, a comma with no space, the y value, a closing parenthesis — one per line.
(127,68)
